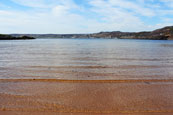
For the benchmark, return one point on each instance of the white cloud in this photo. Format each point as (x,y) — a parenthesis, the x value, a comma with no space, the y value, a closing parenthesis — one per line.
(60,10)
(116,17)
(44,3)
(57,18)
(132,6)
(65,16)
(32,3)
(168,3)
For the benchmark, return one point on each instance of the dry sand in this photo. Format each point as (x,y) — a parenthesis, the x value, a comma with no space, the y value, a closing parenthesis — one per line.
(42,97)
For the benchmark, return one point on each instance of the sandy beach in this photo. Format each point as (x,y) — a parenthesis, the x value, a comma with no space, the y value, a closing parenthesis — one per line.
(76,97)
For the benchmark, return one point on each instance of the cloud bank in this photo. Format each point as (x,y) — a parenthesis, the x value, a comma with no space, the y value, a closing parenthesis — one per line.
(84,16)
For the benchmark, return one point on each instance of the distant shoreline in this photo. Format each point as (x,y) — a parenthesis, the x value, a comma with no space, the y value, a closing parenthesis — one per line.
(165,33)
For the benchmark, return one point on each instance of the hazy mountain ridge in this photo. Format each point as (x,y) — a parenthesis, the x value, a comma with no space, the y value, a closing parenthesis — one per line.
(165,33)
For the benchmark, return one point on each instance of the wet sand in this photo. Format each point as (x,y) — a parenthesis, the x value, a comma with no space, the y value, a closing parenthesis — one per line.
(52,97)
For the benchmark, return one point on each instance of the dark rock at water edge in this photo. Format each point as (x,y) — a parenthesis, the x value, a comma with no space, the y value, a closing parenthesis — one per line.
(26,37)
(9,37)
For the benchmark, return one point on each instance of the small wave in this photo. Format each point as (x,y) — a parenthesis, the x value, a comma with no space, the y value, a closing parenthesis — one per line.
(86,81)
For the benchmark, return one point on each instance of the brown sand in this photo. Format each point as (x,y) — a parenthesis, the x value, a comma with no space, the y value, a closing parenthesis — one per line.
(86,97)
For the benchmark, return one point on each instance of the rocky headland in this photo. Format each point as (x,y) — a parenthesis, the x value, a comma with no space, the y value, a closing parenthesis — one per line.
(9,37)
(165,33)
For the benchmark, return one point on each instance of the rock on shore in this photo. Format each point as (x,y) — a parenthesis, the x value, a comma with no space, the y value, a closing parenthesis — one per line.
(9,37)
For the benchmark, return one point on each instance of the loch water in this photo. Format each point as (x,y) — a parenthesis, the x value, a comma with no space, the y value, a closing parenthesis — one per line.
(86,59)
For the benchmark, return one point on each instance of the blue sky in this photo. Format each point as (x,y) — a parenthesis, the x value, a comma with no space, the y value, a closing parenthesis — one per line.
(83,16)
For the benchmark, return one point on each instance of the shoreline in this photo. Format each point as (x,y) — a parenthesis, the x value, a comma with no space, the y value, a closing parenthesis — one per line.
(88,81)
(165,33)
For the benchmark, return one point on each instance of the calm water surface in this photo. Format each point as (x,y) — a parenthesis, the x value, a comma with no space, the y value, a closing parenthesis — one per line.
(86,59)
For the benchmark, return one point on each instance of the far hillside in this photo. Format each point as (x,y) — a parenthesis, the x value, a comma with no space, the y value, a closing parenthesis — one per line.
(165,33)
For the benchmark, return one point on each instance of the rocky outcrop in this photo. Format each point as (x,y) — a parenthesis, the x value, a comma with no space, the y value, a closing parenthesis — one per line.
(25,37)
(159,34)
(9,37)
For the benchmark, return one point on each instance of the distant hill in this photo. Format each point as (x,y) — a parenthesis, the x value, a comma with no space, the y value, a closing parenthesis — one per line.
(165,33)
(10,37)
